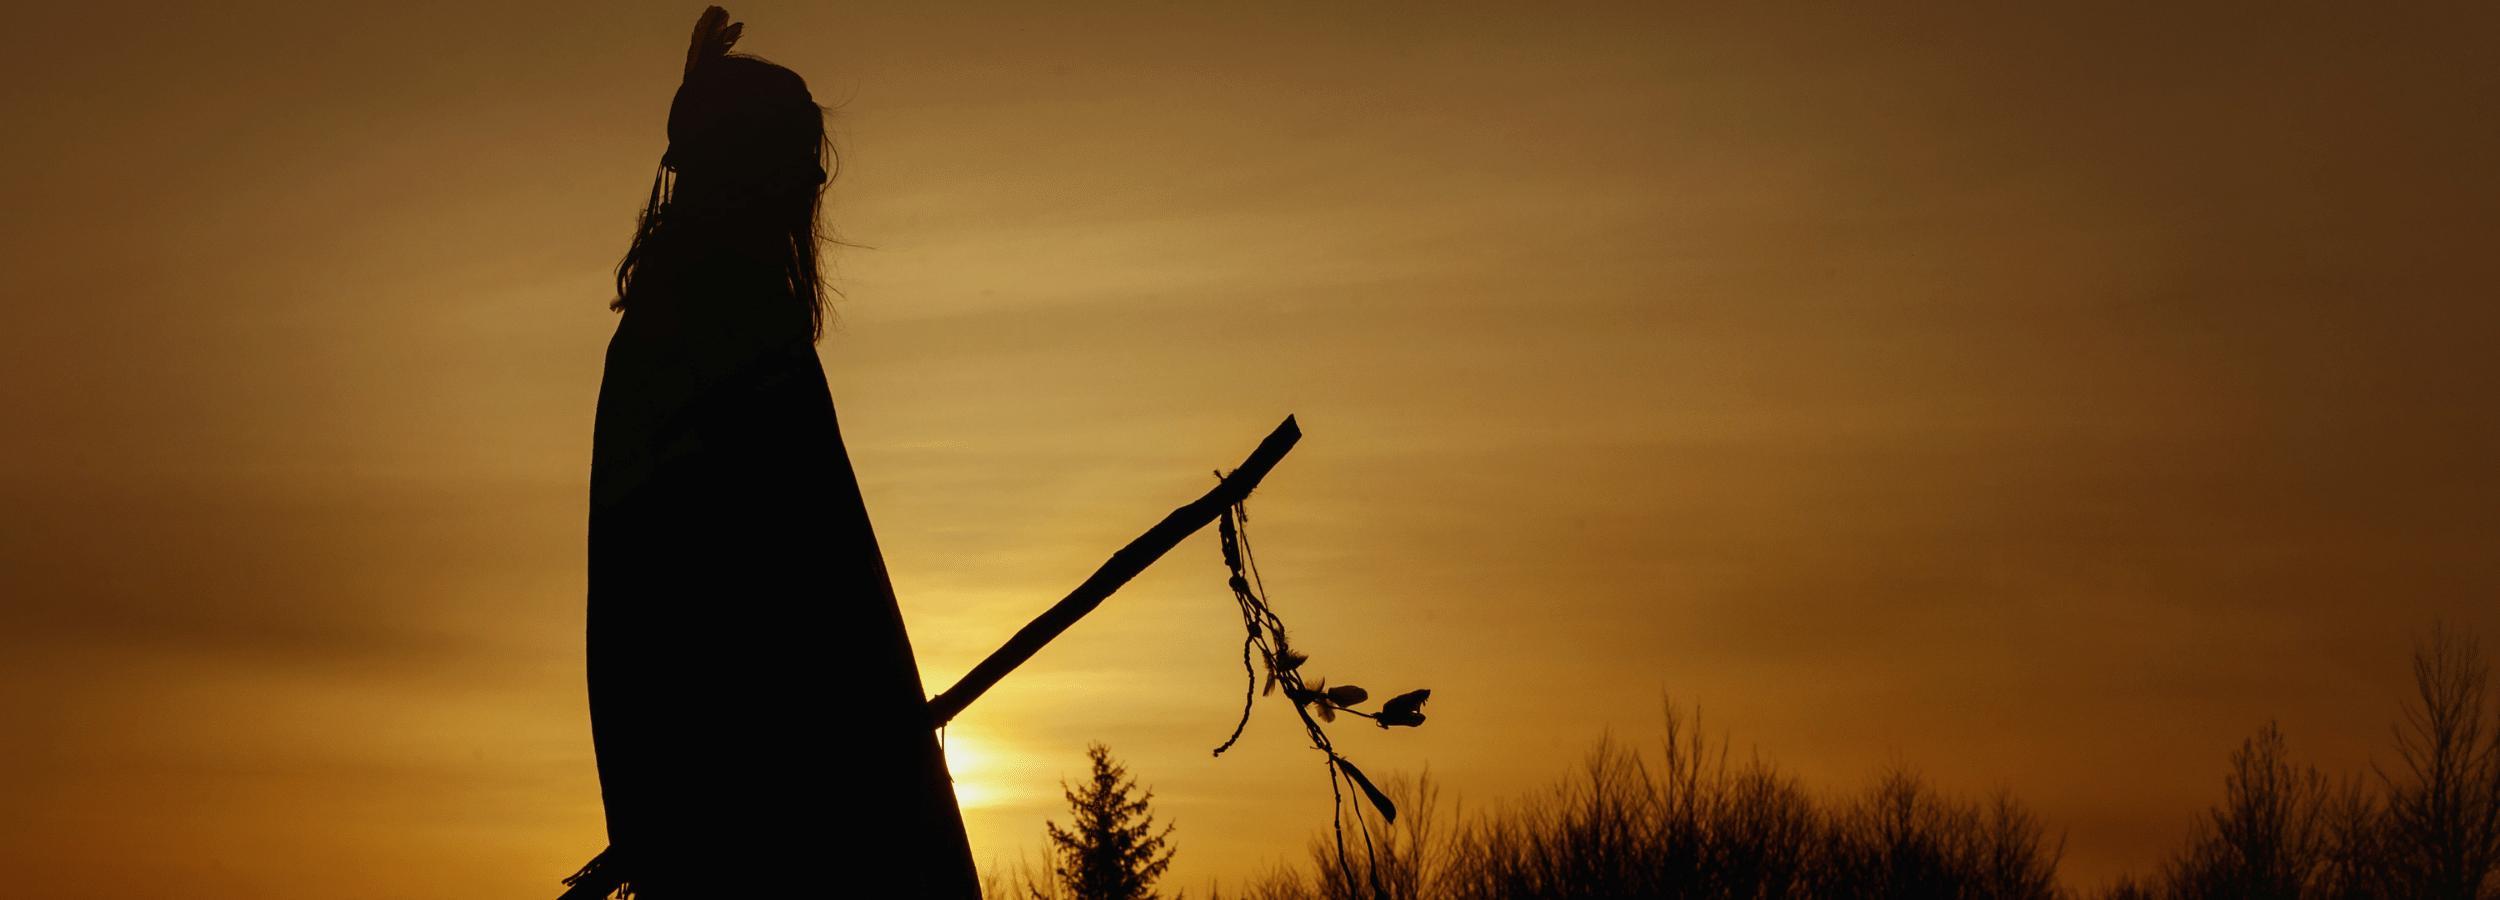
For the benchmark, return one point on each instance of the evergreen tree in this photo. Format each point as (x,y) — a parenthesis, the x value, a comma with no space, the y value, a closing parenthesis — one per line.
(1112,850)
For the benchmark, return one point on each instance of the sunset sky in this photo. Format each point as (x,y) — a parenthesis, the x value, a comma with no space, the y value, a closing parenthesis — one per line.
(2043,399)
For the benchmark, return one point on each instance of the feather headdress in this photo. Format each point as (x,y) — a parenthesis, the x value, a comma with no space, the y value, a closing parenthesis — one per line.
(695,109)
(713,35)
(736,113)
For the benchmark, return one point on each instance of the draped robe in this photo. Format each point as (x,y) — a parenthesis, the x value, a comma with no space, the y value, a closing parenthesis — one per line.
(759,720)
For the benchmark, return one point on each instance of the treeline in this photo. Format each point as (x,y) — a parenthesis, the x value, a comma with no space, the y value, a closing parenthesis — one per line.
(1689,822)
(2426,825)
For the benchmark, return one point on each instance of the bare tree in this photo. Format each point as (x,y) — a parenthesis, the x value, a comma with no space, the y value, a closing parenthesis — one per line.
(2356,865)
(2442,816)
(2268,840)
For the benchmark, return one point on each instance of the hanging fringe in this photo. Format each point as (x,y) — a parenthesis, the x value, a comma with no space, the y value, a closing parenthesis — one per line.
(597,880)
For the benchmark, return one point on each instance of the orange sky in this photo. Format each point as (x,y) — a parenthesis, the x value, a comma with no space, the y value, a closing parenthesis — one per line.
(2044,399)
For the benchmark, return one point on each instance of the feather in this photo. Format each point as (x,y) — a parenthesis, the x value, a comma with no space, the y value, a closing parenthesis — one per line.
(713,36)
(1404,709)
(1380,801)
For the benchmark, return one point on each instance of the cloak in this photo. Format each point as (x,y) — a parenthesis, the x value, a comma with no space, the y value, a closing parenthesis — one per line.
(759,718)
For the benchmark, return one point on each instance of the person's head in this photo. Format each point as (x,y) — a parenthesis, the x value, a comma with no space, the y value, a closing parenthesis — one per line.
(744,174)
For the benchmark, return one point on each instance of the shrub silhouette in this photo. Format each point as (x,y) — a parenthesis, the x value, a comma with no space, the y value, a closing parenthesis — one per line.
(1902,840)
(1689,823)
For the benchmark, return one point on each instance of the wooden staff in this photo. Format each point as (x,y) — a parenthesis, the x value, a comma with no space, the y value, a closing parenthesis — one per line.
(1122,566)
(597,878)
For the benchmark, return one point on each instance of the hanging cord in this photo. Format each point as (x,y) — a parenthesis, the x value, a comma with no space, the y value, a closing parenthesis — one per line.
(1265,639)
(597,879)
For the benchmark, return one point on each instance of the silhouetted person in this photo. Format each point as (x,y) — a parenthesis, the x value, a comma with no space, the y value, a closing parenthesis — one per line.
(760,724)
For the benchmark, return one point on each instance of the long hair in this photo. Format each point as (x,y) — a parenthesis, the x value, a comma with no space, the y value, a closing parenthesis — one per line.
(743,181)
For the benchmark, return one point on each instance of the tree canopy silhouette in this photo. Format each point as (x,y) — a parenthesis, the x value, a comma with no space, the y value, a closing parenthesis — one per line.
(1112,850)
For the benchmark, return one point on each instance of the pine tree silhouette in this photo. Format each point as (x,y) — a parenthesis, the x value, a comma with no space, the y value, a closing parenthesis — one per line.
(1112,850)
